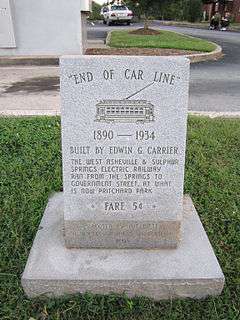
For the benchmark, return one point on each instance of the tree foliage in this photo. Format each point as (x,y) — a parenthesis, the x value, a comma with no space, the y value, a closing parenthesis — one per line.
(167,9)
(190,10)
(174,10)
(96,9)
(195,10)
(146,7)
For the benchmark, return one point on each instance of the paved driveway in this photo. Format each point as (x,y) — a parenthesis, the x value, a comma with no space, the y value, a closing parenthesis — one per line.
(214,86)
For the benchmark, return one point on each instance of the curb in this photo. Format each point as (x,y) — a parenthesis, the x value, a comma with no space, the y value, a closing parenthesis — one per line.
(97,43)
(29,113)
(212,115)
(197,57)
(206,56)
(33,113)
(108,38)
(6,61)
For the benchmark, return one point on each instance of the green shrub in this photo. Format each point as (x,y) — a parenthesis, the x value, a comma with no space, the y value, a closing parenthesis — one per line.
(95,14)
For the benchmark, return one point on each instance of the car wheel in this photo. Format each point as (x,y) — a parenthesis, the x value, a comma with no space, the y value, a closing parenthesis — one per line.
(104,21)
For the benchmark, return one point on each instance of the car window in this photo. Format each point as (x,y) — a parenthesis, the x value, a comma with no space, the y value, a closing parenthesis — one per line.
(118,8)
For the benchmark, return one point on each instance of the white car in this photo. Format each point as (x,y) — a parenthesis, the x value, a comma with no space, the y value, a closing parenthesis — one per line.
(116,14)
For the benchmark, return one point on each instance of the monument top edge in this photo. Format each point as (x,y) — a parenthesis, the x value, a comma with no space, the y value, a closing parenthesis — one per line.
(182,59)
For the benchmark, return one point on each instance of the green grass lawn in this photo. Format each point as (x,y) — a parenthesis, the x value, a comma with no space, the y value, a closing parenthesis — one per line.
(166,39)
(30,164)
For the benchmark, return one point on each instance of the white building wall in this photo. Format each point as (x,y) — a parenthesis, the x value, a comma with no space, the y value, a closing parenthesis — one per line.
(84,16)
(47,27)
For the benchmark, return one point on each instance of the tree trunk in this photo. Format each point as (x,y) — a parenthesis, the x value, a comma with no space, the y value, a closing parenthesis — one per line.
(146,22)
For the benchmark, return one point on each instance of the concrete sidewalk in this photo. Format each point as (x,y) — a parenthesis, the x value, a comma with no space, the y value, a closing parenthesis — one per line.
(29,91)
(33,91)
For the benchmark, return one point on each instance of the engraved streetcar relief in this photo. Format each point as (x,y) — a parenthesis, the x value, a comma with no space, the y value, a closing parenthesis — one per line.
(125,110)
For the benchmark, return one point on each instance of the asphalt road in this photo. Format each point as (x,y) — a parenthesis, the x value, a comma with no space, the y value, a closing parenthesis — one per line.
(214,85)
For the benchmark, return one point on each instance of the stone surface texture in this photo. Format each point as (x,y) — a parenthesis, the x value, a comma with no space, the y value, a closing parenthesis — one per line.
(136,202)
(47,27)
(192,270)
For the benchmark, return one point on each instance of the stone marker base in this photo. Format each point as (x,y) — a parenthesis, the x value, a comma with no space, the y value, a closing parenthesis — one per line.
(192,270)
(122,234)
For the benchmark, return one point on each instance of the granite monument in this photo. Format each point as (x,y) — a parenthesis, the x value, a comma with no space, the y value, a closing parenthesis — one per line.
(123,170)
(122,223)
